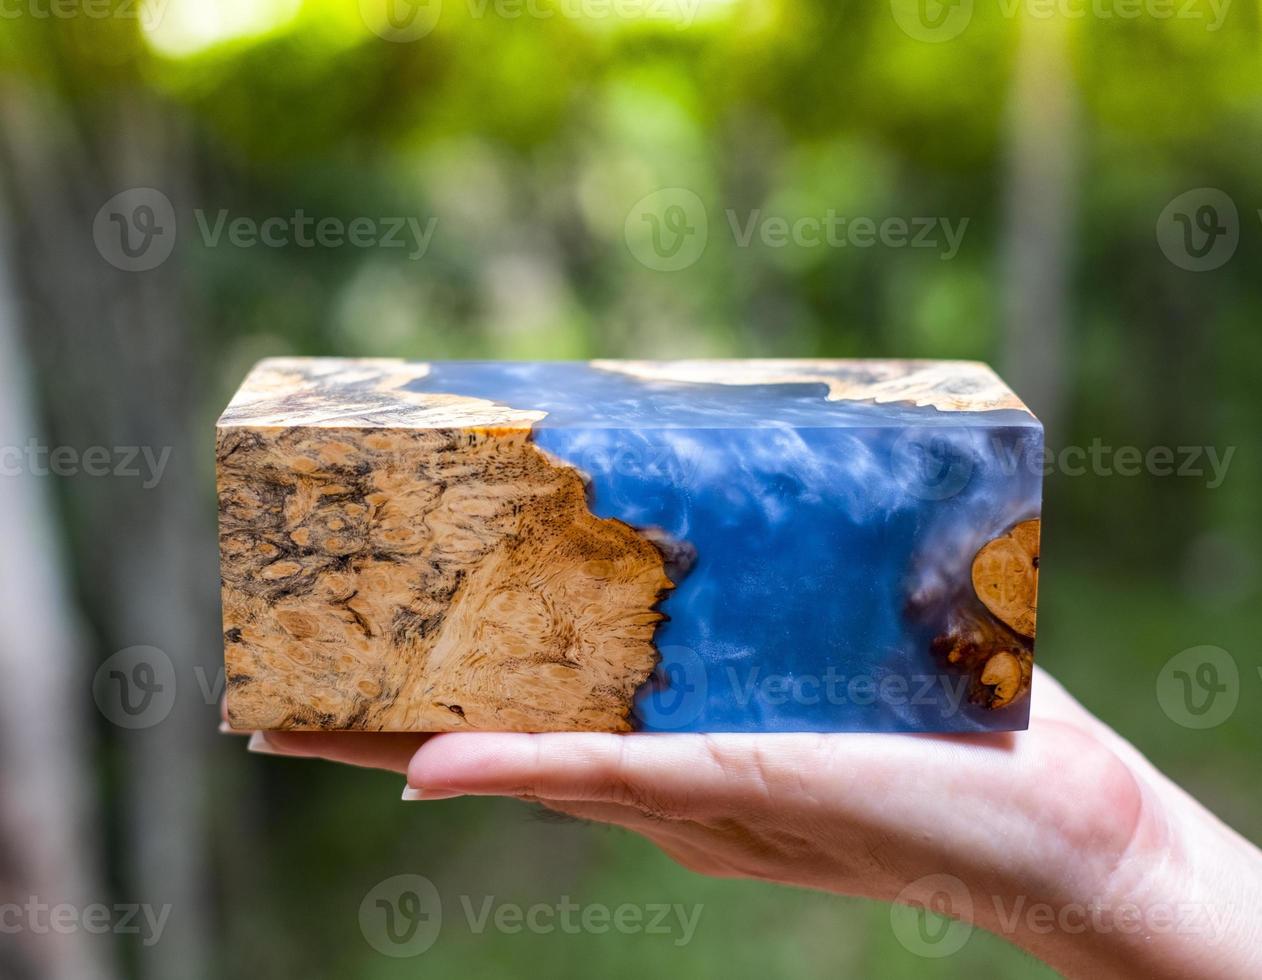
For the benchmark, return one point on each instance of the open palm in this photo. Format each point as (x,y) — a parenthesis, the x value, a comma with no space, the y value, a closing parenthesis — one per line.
(1066,817)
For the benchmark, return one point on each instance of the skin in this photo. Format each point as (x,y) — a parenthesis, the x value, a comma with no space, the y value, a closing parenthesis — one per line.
(1067,815)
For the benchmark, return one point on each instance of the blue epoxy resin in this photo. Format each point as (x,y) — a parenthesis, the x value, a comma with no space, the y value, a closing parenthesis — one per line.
(828,524)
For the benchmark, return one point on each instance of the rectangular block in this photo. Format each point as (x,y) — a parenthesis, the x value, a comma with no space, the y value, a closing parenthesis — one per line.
(771,545)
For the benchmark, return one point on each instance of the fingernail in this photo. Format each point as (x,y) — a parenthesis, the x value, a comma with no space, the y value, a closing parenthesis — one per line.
(413,794)
(260,745)
(226,729)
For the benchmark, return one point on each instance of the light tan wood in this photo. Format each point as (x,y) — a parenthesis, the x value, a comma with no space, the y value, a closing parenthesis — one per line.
(401,560)
(991,633)
(380,576)
(949,386)
(1006,577)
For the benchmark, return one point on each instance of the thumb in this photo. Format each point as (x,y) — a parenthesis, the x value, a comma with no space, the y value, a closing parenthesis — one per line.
(669,775)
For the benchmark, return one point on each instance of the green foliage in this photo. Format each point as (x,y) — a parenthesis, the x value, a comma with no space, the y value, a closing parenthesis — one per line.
(530,140)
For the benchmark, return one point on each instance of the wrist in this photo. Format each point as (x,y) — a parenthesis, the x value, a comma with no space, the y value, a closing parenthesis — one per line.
(1184,898)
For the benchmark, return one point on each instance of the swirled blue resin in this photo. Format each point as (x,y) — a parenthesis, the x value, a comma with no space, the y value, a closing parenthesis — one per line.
(831,537)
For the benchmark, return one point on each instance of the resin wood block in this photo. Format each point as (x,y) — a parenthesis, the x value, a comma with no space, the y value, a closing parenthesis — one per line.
(620,545)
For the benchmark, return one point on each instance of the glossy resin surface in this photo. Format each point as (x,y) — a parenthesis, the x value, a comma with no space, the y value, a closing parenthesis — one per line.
(821,521)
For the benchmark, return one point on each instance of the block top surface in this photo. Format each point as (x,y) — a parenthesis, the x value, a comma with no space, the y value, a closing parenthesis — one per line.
(388,393)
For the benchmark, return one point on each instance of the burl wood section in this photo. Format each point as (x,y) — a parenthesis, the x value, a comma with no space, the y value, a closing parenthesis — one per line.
(992,638)
(949,386)
(402,561)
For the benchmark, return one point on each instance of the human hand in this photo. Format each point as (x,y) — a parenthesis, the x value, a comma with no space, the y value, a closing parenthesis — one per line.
(1065,821)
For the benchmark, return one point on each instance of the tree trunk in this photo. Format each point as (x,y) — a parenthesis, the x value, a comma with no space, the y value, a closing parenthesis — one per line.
(1040,199)
(117,354)
(48,816)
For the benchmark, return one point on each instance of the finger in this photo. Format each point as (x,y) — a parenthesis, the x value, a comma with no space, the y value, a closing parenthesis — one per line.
(682,841)
(965,801)
(613,814)
(1058,704)
(1052,701)
(664,775)
(368,750)
(1049,699)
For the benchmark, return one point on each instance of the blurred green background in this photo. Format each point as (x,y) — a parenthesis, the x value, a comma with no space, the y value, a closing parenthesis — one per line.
(1074,144)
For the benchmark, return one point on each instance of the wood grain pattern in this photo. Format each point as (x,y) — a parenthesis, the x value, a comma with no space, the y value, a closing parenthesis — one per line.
(381,576)
(991,633)
(402,552)
(1006,577)
(949,386)
(293,392)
